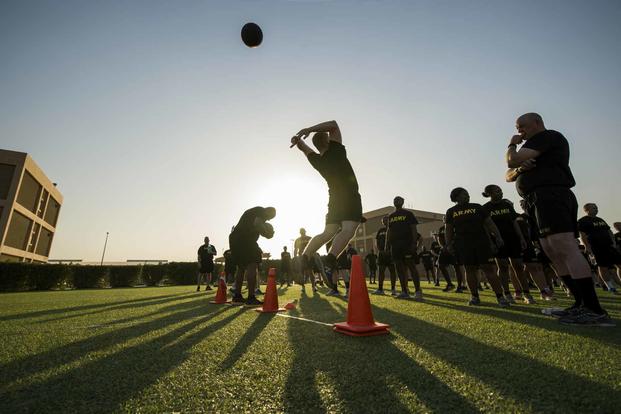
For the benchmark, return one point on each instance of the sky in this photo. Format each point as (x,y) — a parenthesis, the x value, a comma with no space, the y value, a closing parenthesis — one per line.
(161,127)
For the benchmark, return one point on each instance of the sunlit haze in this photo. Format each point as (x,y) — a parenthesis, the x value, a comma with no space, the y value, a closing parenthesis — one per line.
(161,127)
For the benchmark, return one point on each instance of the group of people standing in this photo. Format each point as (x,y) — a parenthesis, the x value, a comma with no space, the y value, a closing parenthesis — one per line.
(491,239)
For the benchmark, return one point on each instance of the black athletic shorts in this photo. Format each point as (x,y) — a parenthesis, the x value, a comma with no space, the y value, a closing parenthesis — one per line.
(285,268)
(530,255)
(244,250)
(446,258)
(206,267)
(428,265)
(511,249)
(473,252)
(383,258)
(344,207)
(402,250)
(606,256)
(555,210)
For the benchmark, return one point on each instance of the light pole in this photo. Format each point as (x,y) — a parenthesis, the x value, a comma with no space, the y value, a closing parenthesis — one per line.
(104,249)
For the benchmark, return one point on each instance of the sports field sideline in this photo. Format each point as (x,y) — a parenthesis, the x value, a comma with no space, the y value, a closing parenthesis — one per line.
(167,350)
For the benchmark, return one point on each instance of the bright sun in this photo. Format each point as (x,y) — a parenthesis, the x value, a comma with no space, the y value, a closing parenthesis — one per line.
(300,201)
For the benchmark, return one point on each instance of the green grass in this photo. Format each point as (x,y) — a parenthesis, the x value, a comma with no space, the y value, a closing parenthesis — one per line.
(169,350)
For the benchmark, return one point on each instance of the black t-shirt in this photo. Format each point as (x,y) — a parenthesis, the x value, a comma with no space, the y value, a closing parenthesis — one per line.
(435,248)
(426,257)
(246,227)
(371,259)
(442,236)
(596,229)
(285,258)
(552,165)
(503,214)
(300,243)
(467,220)
(400,226)
(206,253)
(380,238)
(335,168)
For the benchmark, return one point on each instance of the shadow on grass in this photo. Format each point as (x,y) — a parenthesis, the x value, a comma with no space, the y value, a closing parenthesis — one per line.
(542,387)
(104,384)
(129,306)
(532,316)
(54,358)
(364,373)
(253,331)
(129,303)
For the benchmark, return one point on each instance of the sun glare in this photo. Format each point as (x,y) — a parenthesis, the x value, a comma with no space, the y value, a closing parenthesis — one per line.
(300,201)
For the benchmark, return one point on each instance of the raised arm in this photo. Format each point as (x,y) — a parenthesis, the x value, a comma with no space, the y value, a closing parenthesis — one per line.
(514,157)
(331,127)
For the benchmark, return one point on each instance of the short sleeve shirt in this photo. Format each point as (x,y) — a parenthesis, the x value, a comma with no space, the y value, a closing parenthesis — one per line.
(596,229)
(552,165)
(399,224)
(206,253)
(380,238)
(467,220)
(285,258)
(503,214)
(335,168)
(371,259)
(301,242)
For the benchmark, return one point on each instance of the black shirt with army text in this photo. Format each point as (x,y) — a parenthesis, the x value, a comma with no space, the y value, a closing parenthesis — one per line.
(503,215)
(400,224)
(597,231)
(467,220)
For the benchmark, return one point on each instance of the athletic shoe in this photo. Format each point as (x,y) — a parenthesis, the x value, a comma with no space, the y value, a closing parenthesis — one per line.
(588,318)
(474,301)
(403,295)
(560,312)
(448,288)
(207,287)
(459,290)
(258,291)
(378,292)
(393,292)
(253,301)
(436,284)
(509,298)
(198,288)
(238,300)
(528,299)
(418,295)
(503,302)
(333,292)
(613,291)
(517,297)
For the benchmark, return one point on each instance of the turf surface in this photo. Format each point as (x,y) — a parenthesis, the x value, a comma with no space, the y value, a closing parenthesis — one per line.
(168,350)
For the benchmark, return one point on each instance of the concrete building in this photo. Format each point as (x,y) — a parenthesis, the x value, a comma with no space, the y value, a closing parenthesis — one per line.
(364,240)
(29,208)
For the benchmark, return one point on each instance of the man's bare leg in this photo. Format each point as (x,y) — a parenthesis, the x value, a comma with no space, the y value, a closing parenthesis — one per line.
(348,229)
(573,269)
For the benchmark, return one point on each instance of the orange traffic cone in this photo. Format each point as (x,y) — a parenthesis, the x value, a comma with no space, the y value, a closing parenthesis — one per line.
(221,293)
(270,302)
(359,316)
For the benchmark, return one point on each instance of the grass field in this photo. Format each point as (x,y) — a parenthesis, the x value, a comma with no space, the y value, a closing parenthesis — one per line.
(168,350)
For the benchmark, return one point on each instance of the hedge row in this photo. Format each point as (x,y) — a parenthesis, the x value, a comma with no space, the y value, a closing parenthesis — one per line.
(26,276)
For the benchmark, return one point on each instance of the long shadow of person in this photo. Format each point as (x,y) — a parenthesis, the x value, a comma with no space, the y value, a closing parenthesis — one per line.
(542,387)
(117,377)
(366,374)
(51,359)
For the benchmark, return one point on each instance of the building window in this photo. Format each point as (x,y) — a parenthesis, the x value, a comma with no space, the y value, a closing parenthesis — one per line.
(29,193)
(18,234)
(51,214)
(6,176)
(45,242)
(9,258)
